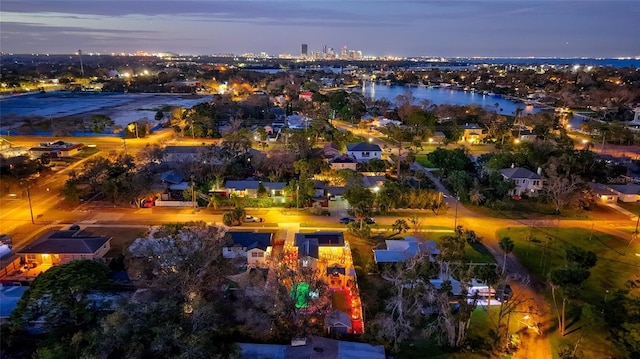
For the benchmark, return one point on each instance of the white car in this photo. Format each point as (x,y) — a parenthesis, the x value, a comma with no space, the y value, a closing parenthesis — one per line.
(252,219)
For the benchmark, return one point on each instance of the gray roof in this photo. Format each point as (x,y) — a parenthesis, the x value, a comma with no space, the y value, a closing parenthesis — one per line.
(363,146)
(249,240)
(337,318)
(519,172)
(471,126)
(171,176)
(60,242)
(315,348)
(626,188)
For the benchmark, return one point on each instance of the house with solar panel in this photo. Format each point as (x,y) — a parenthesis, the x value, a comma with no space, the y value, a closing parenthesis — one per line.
(255,247)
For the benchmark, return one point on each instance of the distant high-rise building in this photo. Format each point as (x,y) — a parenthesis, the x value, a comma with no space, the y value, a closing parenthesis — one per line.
(324,49)
(304,50)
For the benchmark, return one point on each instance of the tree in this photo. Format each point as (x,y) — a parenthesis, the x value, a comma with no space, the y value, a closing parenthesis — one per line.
(397,136)
(185,313)
(569,279)
(235,217)
(60,301)
(376,165)
(560,188)
(400,226)
(360,199)
(506,245)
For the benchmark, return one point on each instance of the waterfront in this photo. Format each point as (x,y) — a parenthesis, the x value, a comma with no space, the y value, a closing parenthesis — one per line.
(439,96)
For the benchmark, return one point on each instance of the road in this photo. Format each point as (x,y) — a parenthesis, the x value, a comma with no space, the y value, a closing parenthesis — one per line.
(15,218)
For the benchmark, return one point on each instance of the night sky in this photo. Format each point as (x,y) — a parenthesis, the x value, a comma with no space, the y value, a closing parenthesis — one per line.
(558,28)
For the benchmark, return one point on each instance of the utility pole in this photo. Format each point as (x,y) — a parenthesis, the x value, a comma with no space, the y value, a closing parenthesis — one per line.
(297,196)
(30,207)
(455,219)
(193,193)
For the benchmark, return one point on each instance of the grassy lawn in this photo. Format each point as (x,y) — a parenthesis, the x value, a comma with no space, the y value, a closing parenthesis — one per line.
(424,161)
(633,207)
(616,264)
(122,237)
(527,209)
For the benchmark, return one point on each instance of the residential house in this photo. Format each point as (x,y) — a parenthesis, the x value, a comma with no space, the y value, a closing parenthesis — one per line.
(338,323)
(326,246)
(306,96)
(298,122)
(524,133)
(255,247)
(344,162)
(56,149)
(249,189)
(472,133)
(438,138)
(330,150)
(383,122)
(181,154)
(402,250)
(605,193)
(627,192)
(527,182)
(60,247)
(364,151)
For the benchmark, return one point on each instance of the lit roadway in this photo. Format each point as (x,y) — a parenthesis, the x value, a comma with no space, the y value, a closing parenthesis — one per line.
(15,217)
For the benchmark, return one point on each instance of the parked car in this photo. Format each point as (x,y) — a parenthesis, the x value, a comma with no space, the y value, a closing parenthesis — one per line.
(252,219)
(369,220)
(346,220)
(503,293)
(148,202)
(74,227)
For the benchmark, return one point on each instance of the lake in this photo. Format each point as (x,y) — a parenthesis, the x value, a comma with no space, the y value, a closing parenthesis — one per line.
(441,96)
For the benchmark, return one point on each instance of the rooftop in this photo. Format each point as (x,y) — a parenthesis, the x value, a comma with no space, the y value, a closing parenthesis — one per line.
(66,242)
(363,146)
(519,172)
(249,240)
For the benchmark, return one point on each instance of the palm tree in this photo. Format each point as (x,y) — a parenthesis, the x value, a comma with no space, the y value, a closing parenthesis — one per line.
(506,245)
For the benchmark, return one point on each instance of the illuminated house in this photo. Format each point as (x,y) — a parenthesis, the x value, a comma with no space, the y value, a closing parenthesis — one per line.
(364,151)
(314,247)
(472,133)
(527,182)
(60,247)
(249,189)
(56,149)
(255,247)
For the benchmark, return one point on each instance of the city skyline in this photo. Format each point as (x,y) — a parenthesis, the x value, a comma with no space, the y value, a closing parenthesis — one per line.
(377,28)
